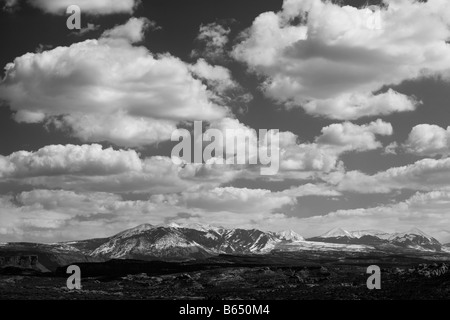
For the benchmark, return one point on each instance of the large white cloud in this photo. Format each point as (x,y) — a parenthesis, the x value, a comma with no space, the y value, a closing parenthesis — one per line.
(69,159)
(231,199)
(15,221)
(95,83)
(300,159)
(335,60)
(66,215)
(348,136)
(323,154)
(425,175)
(58,215)
(358,105)
(243,200)
(91,167)
(307,156)
(428,140)
(427,211)
(119,128)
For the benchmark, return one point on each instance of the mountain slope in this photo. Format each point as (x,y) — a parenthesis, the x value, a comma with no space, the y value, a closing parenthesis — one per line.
(50,256)
(446,247)
(151,243)
(337,233)
(176,242)
(290,235)
(181,242)
(85,246)
(415,239)
(412,239)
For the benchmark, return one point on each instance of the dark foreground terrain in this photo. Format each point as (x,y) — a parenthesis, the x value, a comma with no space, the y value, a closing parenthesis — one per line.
(279,275)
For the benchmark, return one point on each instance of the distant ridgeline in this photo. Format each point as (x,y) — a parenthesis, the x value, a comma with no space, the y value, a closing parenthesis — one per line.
(25,261)
(180,243)
(22,261)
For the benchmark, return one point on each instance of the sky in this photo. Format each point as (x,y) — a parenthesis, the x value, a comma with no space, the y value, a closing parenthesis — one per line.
(358,91)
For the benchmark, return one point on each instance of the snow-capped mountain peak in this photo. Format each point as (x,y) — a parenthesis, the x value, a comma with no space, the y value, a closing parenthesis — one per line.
(194,226)
(409,233)
(187,241)
(337,233)
(136,230)
(419,232)
(412,239)
(374,233)
(289,235)
(176,241)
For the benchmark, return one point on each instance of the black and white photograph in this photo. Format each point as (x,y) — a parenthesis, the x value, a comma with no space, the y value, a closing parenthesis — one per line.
(224,150)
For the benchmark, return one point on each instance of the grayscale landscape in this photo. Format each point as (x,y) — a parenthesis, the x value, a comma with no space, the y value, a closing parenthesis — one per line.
(203,262)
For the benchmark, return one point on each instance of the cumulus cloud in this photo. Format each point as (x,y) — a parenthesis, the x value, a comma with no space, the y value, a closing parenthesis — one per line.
(67,215)
(91,167)
(212,39)
(310,189)
(304,159)
(119,128)
(391,148)
(247,144)
(231,199)
(59,215)
(225,90)
(70,159)
(424,175)
(349,136)
(301,160)
(428,140)
(217,76)
(133,30)
(309,157)
(323,154)
(358,105)
(428,211)
(244,200)
(89,85)
(94,7)
(16,221)
(325,57)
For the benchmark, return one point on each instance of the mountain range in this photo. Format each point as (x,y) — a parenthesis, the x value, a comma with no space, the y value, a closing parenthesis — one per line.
(175,242)
(412,239)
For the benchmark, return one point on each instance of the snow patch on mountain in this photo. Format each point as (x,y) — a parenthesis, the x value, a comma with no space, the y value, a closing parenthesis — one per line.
(336,233)
(374,233)
(136,230)
(179,240)
(409,234)
(289,235)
